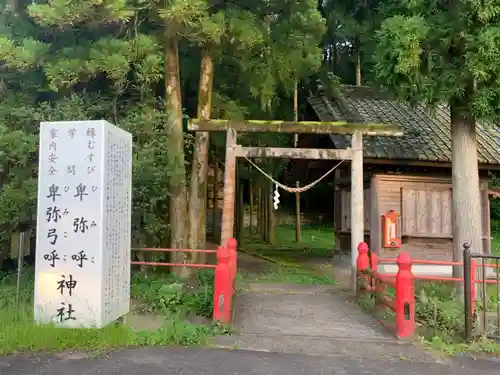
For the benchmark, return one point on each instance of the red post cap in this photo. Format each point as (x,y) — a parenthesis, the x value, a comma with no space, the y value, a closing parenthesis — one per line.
(404,261)
(363,248)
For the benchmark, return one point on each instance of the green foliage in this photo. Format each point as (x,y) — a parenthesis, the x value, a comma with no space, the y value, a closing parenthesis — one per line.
(429,53)
(202,293)
(61,13)
(495,205)
(439,313)
(350,29)
(266,59)
(104,60)
(290,262)
(167,295)
(182,16)
(317,242)
(96,75)
(439,310)
(294,275)
(150,222)
(22,56)
(495,217)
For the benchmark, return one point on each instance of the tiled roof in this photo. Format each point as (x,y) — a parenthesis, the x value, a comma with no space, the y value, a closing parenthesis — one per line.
(426,136)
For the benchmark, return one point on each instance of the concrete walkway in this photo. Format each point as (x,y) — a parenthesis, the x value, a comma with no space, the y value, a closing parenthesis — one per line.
(315,320)
(180,361)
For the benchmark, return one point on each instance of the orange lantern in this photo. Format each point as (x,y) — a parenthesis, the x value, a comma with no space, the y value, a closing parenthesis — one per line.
(391,232)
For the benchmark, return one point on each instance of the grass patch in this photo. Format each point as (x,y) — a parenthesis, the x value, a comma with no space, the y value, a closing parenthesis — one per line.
(288,259)
(161,293)
(439,313)
(317,242)
(300,276)
(164,294)
(495,245)
(19,334)
(447,346)
(288,275)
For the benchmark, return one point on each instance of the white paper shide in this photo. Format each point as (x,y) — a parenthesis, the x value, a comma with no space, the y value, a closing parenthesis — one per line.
(82,274)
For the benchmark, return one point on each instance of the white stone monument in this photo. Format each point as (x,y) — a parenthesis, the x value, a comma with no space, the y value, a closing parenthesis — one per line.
(82,270)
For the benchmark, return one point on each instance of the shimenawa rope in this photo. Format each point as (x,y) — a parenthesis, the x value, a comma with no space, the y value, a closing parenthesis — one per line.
(294,189)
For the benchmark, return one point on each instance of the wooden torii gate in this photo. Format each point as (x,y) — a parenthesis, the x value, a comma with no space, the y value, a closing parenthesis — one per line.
(354,154)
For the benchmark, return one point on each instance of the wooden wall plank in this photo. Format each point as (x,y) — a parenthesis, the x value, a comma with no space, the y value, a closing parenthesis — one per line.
(346,208)
(400,193)
(375,222)
(347,216)
(435,212)
(421,211)
(426,212)
(446,212)
(408,211)
(366,205)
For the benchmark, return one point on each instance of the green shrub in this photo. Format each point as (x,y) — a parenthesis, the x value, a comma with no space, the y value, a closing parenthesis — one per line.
(167,295)
(438,309)
(200,298)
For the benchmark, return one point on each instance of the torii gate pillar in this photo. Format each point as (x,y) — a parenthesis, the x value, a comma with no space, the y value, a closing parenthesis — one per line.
(229,188)
(357,188)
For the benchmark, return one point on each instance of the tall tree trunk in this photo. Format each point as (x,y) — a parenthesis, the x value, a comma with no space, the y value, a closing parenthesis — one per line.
(177,183)
(252,207)
(199,171)
(358,62)
(265,212)
(259,209)
(466,200)
(298,234)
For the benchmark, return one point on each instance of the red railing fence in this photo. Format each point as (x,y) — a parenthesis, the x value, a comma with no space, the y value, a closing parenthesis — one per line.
(403,304)
(224,275)
(370,280)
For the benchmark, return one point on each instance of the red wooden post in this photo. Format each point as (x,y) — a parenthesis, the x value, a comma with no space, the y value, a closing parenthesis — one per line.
(232,244)
(405,298)
(223,288)
(363,262)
